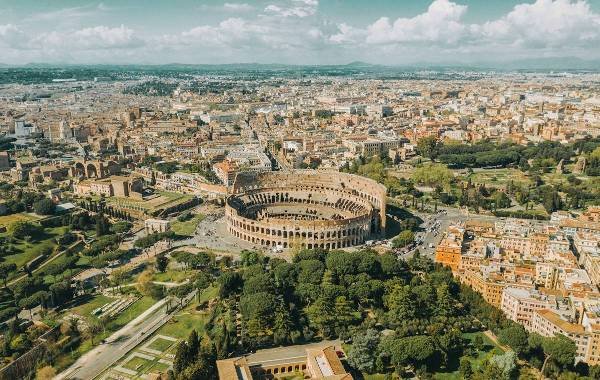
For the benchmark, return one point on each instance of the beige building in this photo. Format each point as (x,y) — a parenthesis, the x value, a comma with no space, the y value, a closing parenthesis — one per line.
(118,186)
(519,304)
(318,361)
(586,334)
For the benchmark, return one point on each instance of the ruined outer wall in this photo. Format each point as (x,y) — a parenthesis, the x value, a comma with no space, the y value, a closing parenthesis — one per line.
(276,186)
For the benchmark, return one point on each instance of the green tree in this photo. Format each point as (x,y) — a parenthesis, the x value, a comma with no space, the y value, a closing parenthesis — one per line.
(44,207)
(403,239)
(5,270)
(561,350)
(343,312)
(363,352)
(93,329)
(416,351)
(514,336)
(507,363)
(401,304)
(478,343)
(282,325)
(445,303)
(427,147)
(162,261)
(22,229)
(465,369)
(182,359)
(321,314)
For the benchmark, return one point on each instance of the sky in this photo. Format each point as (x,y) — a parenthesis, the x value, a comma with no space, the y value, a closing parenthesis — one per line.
(392,32)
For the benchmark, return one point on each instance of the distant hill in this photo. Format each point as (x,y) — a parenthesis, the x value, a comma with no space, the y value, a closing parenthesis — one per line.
(536,64)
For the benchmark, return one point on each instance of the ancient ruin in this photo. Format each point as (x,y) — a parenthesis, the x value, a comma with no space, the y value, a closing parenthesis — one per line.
(314,209)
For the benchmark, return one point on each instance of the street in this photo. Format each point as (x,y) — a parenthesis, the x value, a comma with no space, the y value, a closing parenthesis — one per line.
(118,344)
(448,216)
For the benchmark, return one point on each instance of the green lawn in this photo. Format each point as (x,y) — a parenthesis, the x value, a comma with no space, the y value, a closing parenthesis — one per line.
(133,311)
(136,363)
(209,293)
(86,309)
(29,250)
(500,177)
(173,275)
(184,322)
(188,227)
(188,319)
(158,367)
(161,344)
(7,220)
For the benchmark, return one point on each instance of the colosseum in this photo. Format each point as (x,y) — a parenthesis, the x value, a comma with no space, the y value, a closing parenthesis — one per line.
(315,209)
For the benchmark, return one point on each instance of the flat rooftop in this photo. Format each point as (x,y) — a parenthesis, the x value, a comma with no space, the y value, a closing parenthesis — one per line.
(283,355)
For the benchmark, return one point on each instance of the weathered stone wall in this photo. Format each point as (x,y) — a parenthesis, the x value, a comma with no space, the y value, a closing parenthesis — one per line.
(306,207)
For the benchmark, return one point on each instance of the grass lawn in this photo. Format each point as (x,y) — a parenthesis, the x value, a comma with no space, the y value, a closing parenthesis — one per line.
(184,322)
(7,220)
(500,176)
(188,227)
(29,250)
(158,367)
(133,311)
(161,344)
(136,363)
(188,319)
(173,275)
(86,309)
(209,293)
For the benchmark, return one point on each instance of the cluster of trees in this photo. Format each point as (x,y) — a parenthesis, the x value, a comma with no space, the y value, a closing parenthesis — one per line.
(331,294)
(194,359)
(403,239)
(490,154)
(151,88)
(101,245)
(102,208)
(24,230)
(17,199)
(44,206)
(150,240)
(358,296)
(592,167)
(166,167)
(200,260)
(205,172)
(433,175)
(482,197)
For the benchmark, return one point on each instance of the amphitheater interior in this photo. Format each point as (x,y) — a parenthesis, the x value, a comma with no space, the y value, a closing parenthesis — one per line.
(315,209)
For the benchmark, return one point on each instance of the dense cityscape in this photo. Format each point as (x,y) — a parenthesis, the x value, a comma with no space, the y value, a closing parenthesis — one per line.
(422,218)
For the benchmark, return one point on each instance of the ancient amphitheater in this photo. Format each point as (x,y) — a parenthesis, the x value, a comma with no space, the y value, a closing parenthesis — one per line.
(316,209)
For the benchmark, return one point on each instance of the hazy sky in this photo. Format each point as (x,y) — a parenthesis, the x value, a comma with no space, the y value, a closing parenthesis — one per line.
(296,31)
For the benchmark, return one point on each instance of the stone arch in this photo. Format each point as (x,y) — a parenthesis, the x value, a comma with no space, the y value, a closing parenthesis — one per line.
(92,171)
(78,170)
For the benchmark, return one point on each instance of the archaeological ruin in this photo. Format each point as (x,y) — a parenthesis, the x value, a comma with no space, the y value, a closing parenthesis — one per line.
(314,209)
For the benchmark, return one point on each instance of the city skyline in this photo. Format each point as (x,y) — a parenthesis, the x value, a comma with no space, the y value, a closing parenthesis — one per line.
(297,31)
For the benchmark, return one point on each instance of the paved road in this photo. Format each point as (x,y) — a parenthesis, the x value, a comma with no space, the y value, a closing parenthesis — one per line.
(452,216)
(92,364)
(97,360)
